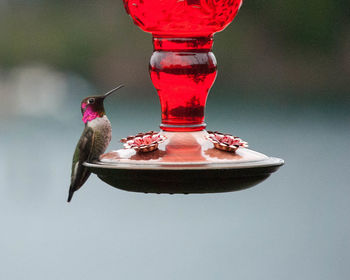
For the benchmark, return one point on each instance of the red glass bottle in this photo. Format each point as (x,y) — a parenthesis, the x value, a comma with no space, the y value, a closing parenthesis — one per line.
(182,67)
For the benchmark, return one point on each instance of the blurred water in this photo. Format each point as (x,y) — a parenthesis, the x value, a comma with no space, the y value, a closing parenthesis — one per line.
(293,226)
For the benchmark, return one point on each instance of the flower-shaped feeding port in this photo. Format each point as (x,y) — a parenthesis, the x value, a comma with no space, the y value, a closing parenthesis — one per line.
(226,142)
(143,142)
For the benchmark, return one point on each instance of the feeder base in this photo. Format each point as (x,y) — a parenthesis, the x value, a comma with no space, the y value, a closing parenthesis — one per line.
(186,162)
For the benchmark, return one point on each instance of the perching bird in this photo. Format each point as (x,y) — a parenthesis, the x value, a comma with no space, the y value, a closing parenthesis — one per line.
(94,140)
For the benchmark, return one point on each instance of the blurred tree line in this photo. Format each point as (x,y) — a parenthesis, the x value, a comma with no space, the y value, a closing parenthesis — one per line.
(272,43)
(307,24)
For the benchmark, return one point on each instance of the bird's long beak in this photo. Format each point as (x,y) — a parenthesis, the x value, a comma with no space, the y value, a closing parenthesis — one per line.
(112,91)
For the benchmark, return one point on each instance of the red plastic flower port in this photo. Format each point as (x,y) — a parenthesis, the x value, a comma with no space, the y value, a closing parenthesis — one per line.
(143,142)
(226,142)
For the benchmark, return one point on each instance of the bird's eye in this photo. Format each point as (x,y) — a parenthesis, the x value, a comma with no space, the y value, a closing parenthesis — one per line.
(91,101)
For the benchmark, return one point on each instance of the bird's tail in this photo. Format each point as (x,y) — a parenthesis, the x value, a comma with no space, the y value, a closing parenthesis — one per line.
(70,194)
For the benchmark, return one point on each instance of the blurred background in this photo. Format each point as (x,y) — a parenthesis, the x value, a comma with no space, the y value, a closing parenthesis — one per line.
(283,85)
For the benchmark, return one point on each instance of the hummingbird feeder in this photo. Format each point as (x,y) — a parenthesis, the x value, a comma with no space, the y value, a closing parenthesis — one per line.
(183,157)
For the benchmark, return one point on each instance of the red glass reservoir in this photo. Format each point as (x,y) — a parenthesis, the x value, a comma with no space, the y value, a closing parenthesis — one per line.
(182,67)
(182,70)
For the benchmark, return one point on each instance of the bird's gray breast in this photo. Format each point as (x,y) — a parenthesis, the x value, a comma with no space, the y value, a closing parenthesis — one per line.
(102,135)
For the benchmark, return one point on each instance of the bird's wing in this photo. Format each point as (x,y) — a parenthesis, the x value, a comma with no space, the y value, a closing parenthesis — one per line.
(82,153)
(83,149)
(86,144)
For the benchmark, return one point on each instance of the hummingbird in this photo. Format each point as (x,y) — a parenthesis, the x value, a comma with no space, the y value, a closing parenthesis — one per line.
(94,140)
